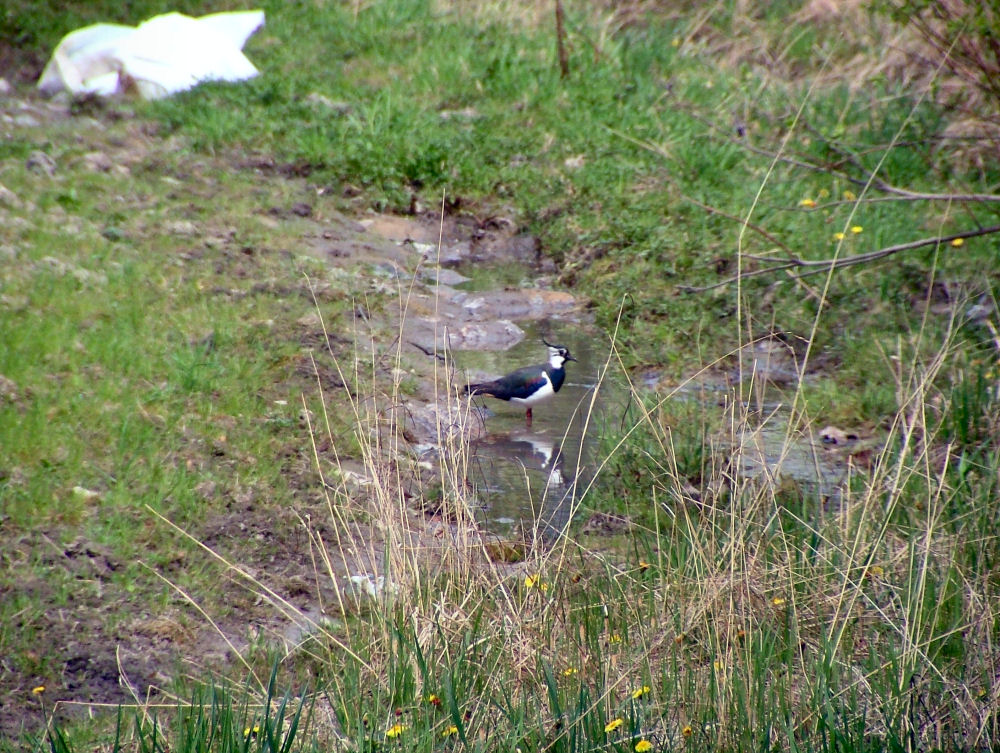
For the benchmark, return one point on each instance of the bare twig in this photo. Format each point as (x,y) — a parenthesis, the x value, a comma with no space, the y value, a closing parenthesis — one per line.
(426,351)
(756,228)
(656,149)
(825,265)
(868,179)
(561,41)
(922,196)
(877,183)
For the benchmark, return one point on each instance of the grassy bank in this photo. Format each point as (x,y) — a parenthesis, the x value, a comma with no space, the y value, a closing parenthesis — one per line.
(168,309)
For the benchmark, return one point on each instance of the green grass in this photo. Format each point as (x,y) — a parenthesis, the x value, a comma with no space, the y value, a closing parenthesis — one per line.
(151,367)
(214,718)
(651,128)
(158,324)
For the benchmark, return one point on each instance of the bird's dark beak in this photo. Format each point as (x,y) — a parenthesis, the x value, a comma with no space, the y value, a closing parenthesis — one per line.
(570,358)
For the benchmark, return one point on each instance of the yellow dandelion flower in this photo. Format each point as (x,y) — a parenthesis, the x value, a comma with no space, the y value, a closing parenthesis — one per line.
(643,566)
(38,690)
(449,731)
(687,731)
(251,731)
(807,203)
(876,571)
(395,730)
(535,581)
(569,671)
(643,746)
(849,195)
(777,601)
(958,242)
(856,229)
(838,236)
(613,725)
(433,700)
(614,638)
(640,692)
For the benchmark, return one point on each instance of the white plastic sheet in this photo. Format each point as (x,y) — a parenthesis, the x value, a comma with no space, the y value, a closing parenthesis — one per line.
(161,56)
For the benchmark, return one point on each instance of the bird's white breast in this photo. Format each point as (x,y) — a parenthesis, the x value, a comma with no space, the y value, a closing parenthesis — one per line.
(543,394)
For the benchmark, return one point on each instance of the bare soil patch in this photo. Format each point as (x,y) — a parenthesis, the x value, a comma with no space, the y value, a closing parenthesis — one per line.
(101,643)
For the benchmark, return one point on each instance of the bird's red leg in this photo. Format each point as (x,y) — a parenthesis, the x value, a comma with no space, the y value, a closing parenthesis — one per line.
(527,417)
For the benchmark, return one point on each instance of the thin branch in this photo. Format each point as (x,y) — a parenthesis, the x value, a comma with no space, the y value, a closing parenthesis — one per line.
(756,228)
(920,195)
(734,278)
(878,183)
(816,266)
(822,265)
(847,261)
(875,182)
(426,351)
(656,149)
(561,41)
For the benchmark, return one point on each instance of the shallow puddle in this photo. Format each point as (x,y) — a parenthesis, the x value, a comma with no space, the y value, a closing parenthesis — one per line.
(768,445)
(527,475)
(492,315)
(769,452)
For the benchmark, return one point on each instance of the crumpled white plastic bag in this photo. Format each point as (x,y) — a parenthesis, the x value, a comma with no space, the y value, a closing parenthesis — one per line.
(161,56)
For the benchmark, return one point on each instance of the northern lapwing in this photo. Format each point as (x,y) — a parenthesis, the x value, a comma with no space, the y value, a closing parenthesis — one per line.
(532,384)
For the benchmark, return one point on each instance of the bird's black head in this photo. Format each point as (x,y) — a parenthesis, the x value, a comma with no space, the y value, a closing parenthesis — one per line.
(558,355)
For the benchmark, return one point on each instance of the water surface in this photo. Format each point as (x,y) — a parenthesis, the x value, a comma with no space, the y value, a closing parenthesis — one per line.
(526,475)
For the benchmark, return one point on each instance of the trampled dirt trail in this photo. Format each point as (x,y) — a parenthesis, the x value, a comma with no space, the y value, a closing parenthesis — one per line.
(109,646)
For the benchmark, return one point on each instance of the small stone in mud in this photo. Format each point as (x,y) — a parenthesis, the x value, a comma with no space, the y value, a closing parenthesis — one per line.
(39,162)
(523,248)
(9,198)
(489,335)
(606,523)
(443,276)
(97,162)
(505,550)
(831,435)
(181,227)
(9,393)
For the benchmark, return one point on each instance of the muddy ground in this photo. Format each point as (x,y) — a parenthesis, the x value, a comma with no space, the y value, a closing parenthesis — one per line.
(105,658)
(113,646)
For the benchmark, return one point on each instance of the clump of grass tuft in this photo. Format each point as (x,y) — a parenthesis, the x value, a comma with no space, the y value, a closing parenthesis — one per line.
(215,718)
(765,615)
